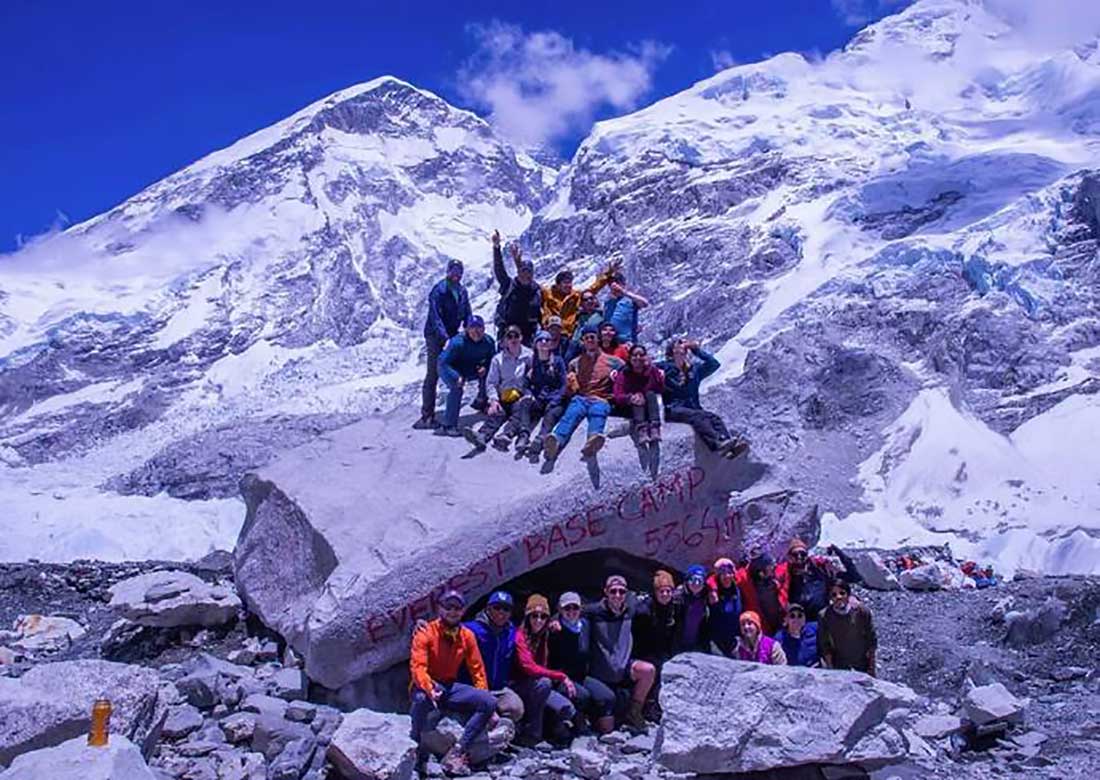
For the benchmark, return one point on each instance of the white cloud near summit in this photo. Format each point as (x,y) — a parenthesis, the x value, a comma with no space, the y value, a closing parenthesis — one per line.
(539,87)
(1053,24)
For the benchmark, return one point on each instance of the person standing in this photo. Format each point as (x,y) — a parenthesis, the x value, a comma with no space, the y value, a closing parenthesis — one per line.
(622,307)
(760,592)
(535,679)
(590,379)
(754,646)
(507,387)
(805,579)
(636,390)
(547,393)
(798,637)
(694,612)
(465,359)
(520,298)
(440,651)
(846,637)
(683,375)
(612,651)
(725,606)
(448,310)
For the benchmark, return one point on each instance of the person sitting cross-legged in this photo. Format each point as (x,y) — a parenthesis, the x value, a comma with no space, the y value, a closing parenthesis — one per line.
(590,380)
(507,387)
(440,650)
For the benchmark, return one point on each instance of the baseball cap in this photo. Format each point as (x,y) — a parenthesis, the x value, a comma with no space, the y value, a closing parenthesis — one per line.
(615,579)
(553,320)
(452,596)
(569,599)
(500,597)
(454,265)
(475,321)
(543,336)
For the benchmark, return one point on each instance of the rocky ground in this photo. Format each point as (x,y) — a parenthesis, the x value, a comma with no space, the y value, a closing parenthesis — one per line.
(238,706)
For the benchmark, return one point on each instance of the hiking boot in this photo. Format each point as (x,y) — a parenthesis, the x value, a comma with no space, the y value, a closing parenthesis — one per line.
(474,438)
(593,445)
(502,442)
(737,447)
(551,445)
(448,430)
(522,444)
(654,433)
(456,763)
(634,717)
(425,423)
(640,434)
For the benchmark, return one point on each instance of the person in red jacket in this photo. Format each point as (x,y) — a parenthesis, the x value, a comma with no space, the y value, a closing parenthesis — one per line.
(760,591)
(637,389)
(534,680)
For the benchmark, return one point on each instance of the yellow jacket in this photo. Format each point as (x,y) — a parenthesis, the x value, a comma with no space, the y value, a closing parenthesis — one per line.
(568,306)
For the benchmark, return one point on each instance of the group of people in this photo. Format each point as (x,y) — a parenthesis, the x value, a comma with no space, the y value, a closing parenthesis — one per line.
(556,675)
(559,358)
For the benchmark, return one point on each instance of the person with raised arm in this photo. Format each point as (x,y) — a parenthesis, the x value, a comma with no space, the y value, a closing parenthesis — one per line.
(685,366)
(520,297)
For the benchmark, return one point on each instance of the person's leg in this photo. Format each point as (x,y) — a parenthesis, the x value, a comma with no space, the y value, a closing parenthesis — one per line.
(418,713)
(560,708)
(481,403)
(493,423)
(454,397)
(481,704)
(699,422)
(653,416)
(597,421)
(431,378)
(602,704)
(534,691)
(643,674)
(569,421)
(522,411)
(509,705)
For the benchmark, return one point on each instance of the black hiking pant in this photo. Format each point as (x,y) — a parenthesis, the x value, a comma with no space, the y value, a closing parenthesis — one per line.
(431,378)
(707,425)
(516,414)
(649,412)
(550,416)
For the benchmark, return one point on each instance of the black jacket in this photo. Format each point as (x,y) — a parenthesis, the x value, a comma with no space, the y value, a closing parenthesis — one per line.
(569,650)
(655,630)
(520,304)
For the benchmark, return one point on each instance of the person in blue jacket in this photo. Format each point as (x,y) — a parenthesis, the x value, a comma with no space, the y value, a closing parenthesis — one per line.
(466,358)
(725,606)
(496,639)
(798,637)
(448,309)
(686,365)
(546,383)
(621,309)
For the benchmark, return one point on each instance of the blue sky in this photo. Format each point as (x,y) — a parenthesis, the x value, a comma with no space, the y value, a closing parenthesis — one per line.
(102,99)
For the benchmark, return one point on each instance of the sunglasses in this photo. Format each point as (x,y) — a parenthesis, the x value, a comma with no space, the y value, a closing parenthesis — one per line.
(536,616)
(617,592)
(500,608)
(571,608)
(514,335)
(796,613)
(450,607)
(799,555)
(695,580)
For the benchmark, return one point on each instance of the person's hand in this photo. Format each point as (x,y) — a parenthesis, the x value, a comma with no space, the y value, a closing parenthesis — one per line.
(419,625)
(435,694)
(614,265)
(637,399)
(832,549)
(712,597)
(617,288)
(461,383)
(692,345)
(517,253)
(494,719)
(480,371)
(496,238)
(570,688)
(572,384)
(494,408)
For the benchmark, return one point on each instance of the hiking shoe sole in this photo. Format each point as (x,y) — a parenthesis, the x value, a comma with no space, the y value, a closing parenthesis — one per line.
(593,445)
(471,436)
(551,447)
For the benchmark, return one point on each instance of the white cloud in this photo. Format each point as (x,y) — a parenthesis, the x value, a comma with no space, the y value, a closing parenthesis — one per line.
(539,87)
(722,59)
(856,13)
(1054,24)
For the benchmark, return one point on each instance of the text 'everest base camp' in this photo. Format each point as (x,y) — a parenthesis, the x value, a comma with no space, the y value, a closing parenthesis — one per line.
(790,476)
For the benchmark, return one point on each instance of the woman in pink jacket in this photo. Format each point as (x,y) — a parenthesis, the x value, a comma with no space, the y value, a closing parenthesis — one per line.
(534,680)
(637,388)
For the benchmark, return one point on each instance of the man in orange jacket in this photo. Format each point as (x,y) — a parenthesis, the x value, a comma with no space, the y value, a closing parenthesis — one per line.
(439,651)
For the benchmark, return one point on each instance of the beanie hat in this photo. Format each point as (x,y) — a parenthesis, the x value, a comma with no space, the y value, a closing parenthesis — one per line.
(537,603)
(454,265)
(662,579)
(695,571)
(475,321)
(750,615)
(543,336)
(796,544)
(724,563)
(760,562)
(590,329)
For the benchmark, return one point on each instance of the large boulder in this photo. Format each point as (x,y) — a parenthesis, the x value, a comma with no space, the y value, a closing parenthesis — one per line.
(42,633)
(52,703)
(348,540)
(874,572)
(371,745)
(173,598)
(988,703)
(119,759)
(776,716)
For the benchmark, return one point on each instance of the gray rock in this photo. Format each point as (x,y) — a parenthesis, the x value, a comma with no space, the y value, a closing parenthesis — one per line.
(1034,626)
(273,734)
(52,703)
(937,726)
(773,716)
(197,749)
(239,727)
(45,634)
(875,575)
(250,766)
(293,761)
(181,721)
(262,704)
(373,746)
(639,743)
(587,760)
(301,711)
(173,598)
(442,736)
(208,680)
(288,684)
(120,759)
(930,576)
(988,703)
(305,557)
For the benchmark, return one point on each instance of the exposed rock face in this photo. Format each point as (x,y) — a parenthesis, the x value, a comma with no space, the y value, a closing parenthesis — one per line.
(988,703)
(120,759)
(173,598)
(729,716)
(52,703)
(373,746)
(345,580)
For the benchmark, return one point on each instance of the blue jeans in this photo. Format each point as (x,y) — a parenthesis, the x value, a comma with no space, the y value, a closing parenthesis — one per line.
(457,697)
(581,407)
(450,378)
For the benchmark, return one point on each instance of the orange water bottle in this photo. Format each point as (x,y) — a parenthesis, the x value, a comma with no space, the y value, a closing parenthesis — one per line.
(101,723)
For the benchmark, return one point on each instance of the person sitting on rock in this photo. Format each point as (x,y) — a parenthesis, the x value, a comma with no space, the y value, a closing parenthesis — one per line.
(440,651)
(563,301)
(559,344)
(754,646)
(846,637)
(683,375)
(496,639)
(805,578)
(507,386)
(570,635)
(655,632)
(465,359)
(591,314)
(612,651)
(590,380)
(535,679)
(798,637)
(622,307)
(448,309)
(637,389)
(520,297)
(546,394)
(725,606)
(610,344)
(760,592)
(694,612)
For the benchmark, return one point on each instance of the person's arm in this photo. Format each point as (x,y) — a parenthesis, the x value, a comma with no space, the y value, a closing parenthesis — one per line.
(526,664)
(435,320)
(824,646)
(503,280)
(639,301)
(418,661)
(657,380)
(849,573)
(517,255)
(446,372)
(618,389)
(709,363)
(778,657)
(474,664)
(493,380)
